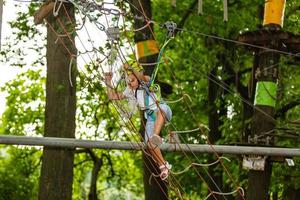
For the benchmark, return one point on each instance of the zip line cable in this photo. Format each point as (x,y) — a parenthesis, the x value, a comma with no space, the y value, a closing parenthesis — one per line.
(238,42)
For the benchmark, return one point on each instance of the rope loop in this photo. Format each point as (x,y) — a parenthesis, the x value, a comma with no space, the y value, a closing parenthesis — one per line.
(56,10)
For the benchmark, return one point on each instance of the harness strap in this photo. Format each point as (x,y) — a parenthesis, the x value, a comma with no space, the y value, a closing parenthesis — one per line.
(150,113)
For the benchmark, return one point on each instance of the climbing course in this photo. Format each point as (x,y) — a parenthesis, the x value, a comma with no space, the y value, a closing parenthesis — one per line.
(112,57)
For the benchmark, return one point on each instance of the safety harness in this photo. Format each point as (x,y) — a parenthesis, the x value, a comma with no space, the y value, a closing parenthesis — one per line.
(147,95)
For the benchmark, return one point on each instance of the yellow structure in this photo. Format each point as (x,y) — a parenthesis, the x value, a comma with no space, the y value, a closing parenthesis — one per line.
(146,48)
(274,12)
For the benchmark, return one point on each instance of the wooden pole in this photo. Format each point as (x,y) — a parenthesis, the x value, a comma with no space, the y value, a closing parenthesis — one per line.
(265,99)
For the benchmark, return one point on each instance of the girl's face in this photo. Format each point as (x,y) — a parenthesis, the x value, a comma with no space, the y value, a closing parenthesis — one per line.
(132,81)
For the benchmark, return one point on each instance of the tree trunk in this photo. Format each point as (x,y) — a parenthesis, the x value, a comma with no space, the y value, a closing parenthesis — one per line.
(141,9)
(266,96)
(214,181)
(98,163)
(57,163)
(291,194)
(263,121)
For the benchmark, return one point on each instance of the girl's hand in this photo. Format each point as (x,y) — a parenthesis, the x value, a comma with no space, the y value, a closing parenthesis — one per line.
(126,66)
(108,76)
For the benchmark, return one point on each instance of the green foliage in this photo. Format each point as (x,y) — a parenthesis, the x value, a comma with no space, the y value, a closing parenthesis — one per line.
(24,114)
(19,173)
(113,180)
(26,100)
(97,118)
(206,43)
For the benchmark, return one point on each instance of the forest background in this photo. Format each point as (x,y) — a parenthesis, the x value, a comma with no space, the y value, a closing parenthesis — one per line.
(205,65)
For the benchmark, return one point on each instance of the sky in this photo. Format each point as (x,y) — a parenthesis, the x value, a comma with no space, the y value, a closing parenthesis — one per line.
(6,73)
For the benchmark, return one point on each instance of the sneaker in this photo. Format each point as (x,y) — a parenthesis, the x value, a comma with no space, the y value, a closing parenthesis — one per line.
(156,140)
(164,171)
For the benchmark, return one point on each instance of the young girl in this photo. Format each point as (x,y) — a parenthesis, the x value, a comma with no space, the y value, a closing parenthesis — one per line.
(156,113)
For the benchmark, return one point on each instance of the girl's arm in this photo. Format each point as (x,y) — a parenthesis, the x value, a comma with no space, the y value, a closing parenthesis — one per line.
(112,95)
(139,74)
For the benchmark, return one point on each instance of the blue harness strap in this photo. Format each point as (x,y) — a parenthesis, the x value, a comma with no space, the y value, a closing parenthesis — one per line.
(150,113)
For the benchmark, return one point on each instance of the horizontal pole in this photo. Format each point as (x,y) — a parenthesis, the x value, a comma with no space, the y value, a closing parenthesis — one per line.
(168,147)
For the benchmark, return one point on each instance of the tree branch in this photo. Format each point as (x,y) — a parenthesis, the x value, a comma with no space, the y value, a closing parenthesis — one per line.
(110,164)
(281,112)
(93,155)
(43,12)
(185,16)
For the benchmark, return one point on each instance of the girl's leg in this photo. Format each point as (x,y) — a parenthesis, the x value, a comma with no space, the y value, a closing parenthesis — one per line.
(163,114)
(164,166)
(158,125)
(156,154)
(153,148)
(160,121)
